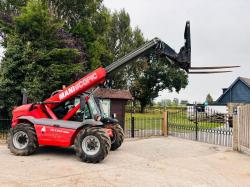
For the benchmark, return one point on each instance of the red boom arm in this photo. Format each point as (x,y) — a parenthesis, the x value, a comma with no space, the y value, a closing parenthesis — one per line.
(92,79)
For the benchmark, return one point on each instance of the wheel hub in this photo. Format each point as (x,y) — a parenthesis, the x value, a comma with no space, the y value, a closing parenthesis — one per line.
(91,145)
(20,140)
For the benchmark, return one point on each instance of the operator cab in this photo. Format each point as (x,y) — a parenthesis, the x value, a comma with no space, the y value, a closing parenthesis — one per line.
(93,110)
(88,108)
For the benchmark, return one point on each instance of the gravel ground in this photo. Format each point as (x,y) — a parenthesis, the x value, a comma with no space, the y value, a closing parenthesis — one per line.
(142,162)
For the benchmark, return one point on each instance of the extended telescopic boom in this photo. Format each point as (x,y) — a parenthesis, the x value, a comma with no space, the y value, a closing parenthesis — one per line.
(181,59)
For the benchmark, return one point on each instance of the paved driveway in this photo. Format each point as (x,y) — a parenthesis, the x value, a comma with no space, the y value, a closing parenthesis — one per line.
(146,162)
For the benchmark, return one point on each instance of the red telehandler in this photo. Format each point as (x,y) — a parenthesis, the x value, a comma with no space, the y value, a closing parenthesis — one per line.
(71,116)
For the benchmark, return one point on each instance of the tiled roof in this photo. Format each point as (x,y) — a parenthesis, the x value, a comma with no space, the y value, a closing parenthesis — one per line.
(112,94)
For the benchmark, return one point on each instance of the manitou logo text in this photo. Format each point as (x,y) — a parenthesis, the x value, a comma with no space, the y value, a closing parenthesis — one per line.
(79,85)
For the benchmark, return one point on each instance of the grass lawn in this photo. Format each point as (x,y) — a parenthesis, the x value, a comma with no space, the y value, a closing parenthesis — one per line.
(144,115)
(145,121)
(178,122)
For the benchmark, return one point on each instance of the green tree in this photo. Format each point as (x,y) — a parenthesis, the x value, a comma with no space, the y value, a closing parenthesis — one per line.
(209,99)
(86,20)
(154,77)
(36,58)
(121,39)
(90,36)
(8,10)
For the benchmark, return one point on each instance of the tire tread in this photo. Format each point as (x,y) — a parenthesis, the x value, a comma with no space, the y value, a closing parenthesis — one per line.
(33,141)
(104,141)
(119,136)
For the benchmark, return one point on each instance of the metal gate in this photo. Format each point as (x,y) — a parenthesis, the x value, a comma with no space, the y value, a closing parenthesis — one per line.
(143,127)
(201,124)
(5,122)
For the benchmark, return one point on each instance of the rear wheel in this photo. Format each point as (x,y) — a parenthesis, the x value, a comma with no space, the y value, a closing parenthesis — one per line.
(92,144)
(118,137)
(22,140)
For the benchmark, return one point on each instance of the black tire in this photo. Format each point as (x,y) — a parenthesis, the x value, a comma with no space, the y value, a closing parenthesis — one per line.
(118,136)
(103,149)
(32,144)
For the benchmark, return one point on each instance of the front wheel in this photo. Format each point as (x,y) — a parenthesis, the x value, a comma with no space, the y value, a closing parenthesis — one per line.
(92,144)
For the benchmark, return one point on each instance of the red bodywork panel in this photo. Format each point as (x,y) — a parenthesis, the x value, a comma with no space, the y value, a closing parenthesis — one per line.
(55,136)
(51,135)
(27,110)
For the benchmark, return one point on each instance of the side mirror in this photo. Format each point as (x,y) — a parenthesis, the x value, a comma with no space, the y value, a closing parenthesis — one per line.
(82,102)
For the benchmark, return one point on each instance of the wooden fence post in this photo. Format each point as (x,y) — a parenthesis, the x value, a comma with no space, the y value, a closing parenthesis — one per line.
(164,124)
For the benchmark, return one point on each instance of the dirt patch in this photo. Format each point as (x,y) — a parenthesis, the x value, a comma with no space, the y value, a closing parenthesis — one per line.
(145,162)
(2,141)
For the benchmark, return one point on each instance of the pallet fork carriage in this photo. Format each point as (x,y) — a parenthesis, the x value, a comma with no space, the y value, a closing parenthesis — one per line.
(71,117)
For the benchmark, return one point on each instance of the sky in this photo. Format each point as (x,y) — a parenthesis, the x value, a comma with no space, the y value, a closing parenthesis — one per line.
(220,35)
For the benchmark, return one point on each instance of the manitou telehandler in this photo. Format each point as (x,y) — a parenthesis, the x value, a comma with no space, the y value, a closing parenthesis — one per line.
(71,117)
